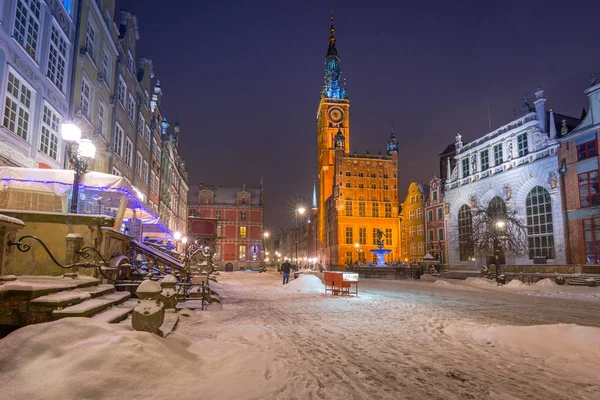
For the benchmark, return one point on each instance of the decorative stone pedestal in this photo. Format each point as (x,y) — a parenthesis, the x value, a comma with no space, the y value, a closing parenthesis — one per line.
(149,314)
(168,295)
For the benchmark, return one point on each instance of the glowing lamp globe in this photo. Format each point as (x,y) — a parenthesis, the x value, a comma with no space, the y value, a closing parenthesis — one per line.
(87,149)
(177,235)
(301,210)
(184,240)
(70,132)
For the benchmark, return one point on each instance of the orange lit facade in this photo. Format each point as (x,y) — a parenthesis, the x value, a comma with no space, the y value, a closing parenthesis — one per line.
(358,193)
(412,223)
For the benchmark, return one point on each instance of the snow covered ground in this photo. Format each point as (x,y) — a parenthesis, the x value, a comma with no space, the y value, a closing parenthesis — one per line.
(397,340)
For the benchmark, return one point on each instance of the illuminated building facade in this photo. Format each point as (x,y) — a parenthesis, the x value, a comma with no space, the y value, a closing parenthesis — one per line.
(239,214)
(358,193)
(412,223)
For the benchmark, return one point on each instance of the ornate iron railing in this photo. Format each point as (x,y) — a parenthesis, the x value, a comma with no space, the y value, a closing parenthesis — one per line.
(84,252)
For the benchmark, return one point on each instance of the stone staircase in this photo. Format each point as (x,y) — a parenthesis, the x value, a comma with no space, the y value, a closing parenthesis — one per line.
(34,299)
(581,281)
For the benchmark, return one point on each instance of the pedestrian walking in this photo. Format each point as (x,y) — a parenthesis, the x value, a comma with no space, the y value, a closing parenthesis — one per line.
(286,268)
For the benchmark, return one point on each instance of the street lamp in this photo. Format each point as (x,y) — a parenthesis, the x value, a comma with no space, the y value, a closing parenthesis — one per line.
(266,239)
(500,224)
(80,151)
(299,212)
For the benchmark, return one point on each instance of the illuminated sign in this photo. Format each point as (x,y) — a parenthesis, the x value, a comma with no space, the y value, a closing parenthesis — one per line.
(347,277)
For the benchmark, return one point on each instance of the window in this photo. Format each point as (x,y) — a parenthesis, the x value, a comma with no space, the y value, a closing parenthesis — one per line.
(591,234)
(484,157)
(440,233)
(522,145)
(121,89)
(347,173)
(385,176)
(362,235)
(374,236)
(90,39)
(497,208)
(412,231)
(434,195)
(49,137)
(104,67)
(349,208)
(388,210)
(361,175)
(128,152)
(373,176)
(588,189)
(587,150)
(242,252)
(101,117)
(420,230)
(145,172)
(140,125)
(27,25)
(465,231)
(373,186)
(118,141)
(151,183)
(86,95)
(412,199)
(129,62)
(349,235)
(465,167)
(348,185)
(498,158)
(219,230)
(411,215)
(430,235)
(440,214)
(17,106)
(419,213)
(147,135)
(348,258)
(361,209)
(243,216)
(116,172)
(375,209)
(421,248)
(57,58)
(243,230)
(156,184)
(67,5)
(385,186)
(388,237)
(539,223)
(138,164)
(361,186)
(218,214)
(429,216)
(413,250)
(131,108)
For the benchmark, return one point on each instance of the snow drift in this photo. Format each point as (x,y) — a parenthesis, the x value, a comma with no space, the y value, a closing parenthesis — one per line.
(308,284)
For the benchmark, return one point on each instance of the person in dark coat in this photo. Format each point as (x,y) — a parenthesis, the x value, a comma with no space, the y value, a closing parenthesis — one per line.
(286,268)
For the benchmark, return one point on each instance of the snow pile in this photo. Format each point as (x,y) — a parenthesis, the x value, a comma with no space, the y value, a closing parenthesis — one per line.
(309,284)
(515,283)
(428,278)
(479,281)
(546,282)
(567,346)
(80,358)
(442,283)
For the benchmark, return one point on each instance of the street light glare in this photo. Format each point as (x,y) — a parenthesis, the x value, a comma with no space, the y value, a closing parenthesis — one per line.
(500,224)
(301,210)
(184,240)
(266,234)
(87,149)
(177,235)
(70,132)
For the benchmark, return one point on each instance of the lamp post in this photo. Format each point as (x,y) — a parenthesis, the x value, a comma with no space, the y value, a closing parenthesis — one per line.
(266,239)
(80,151)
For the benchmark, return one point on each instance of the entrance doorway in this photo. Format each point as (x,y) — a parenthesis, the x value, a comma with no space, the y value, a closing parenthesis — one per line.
(229,267)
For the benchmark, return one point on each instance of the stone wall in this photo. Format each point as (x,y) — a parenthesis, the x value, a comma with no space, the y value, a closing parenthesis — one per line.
(52,229)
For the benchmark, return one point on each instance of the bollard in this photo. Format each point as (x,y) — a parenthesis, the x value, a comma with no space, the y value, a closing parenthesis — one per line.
(149,314)
(168,295)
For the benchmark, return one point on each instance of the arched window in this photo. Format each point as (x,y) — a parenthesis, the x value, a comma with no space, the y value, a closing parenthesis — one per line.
(497,208)
(539,223)
(465,232)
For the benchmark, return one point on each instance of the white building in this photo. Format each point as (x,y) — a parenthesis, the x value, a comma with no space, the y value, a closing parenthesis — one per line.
(516,164)
(36,53)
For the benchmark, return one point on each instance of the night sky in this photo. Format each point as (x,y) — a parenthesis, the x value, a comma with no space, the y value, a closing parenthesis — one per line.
(245,77)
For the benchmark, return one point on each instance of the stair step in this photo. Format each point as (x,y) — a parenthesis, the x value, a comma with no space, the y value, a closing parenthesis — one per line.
(91,307)
(28,287)
(97,291)
(117,313)
(58,300)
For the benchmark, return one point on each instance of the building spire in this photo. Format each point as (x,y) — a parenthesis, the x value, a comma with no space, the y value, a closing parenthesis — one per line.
(331,51)
(314,196)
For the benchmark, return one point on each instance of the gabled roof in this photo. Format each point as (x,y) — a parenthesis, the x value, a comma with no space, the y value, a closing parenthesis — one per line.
(572,123)
(450,149)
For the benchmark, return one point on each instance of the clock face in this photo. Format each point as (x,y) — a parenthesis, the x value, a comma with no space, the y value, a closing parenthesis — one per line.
(336,115)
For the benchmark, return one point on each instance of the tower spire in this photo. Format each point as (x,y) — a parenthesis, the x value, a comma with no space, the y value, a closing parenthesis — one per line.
(331,51)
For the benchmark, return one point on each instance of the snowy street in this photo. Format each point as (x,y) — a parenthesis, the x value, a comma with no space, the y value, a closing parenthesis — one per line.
(397,340)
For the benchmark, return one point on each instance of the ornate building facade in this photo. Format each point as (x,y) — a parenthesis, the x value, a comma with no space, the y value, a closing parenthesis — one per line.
(412,223)
(239,214)
(435,221)
(37,44)
(515,166)
(358,193)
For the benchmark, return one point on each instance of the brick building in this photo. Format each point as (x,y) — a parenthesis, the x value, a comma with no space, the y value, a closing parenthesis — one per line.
(412,223)
(239,213)
(578,158)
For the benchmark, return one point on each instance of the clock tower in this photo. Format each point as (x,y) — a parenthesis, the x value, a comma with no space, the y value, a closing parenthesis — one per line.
(332,116)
